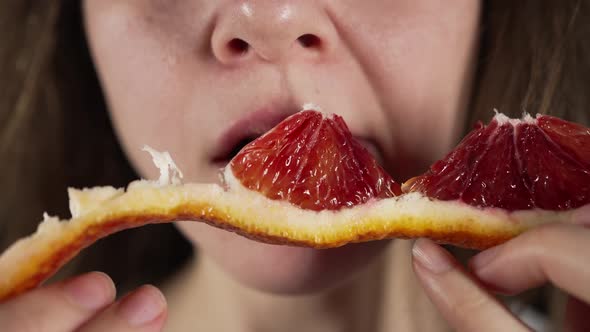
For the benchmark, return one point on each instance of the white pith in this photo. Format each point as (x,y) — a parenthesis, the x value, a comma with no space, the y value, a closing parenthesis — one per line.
(387,211)
(502,118)
(169,172)
(311,107)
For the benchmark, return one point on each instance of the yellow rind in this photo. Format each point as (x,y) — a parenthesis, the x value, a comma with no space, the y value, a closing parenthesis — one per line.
(31,260)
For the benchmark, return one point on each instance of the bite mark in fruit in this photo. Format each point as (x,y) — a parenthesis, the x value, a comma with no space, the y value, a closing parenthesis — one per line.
(514,165)
(312,161)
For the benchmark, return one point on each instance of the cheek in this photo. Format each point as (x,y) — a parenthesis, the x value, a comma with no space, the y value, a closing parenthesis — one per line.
(148,76)
(436,78)
(420,58)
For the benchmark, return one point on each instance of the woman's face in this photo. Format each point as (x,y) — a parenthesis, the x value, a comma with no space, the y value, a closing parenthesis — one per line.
(197,77)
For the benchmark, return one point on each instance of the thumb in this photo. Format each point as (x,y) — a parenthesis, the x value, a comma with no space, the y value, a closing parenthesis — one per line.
(60,307)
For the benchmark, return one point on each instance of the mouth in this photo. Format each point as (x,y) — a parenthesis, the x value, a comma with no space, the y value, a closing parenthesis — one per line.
(226,154)
(245,130)
(255,124)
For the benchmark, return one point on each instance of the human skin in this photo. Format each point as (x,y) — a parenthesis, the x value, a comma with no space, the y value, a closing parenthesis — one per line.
(175,78)
(555,253)
(398,71)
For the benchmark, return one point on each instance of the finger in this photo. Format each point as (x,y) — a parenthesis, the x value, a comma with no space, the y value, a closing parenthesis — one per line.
(556,253)
(465,305)
(60,307)
(142,310)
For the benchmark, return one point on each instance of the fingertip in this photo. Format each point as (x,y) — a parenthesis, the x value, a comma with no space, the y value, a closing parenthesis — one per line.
(91,291)
(483,259)
(458,297)
(144,306)
(106,281)
(431,256)
(157,293)
(581,216)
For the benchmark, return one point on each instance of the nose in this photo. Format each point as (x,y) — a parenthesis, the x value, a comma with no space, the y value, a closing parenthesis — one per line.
(271,31)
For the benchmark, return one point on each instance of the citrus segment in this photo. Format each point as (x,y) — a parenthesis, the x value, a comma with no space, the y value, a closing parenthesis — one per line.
(312,161)
(573,138)
(514,164)
(555,177)
(497,181)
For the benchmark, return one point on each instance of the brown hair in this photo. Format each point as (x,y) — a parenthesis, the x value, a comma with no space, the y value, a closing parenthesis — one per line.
(535,57)
(54,131)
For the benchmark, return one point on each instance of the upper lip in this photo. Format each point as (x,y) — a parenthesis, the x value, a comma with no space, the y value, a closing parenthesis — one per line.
(246,129)
(253,124)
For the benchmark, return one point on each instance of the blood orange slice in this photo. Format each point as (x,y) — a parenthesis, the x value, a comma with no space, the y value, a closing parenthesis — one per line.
(312,161)
(307,182)
(514,164)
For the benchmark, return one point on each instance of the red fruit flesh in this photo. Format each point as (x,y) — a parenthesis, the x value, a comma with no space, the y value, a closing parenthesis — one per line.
(312,161)
(573,138)
(514,165)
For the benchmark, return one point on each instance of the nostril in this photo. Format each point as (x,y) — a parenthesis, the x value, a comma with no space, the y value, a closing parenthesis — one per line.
(238,46)
(309,41)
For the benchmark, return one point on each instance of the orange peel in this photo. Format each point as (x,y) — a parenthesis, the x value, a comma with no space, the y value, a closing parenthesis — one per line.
(101,211)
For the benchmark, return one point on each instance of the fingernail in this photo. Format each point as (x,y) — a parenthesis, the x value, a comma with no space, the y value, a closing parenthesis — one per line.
(432,256)
(484,258)
(142,306)
(581,216)
(90,291)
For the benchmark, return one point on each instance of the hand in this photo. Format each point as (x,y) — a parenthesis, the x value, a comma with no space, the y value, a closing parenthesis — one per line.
(84,303)
(559,254)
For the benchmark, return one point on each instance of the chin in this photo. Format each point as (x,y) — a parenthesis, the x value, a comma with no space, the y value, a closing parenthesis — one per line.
(282,270)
